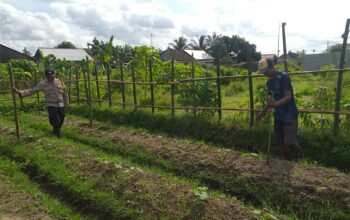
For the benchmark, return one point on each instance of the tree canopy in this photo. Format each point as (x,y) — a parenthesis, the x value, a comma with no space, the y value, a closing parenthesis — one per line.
(66,44)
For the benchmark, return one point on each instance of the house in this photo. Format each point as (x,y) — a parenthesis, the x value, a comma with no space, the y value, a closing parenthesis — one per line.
(179,56)
(7,54)
(202,57)
(316,61)
(185,56)
(69,54)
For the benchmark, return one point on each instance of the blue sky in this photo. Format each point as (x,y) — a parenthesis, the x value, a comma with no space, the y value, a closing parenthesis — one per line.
(311,25)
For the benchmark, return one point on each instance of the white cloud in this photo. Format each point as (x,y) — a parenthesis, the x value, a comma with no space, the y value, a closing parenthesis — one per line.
(310,24)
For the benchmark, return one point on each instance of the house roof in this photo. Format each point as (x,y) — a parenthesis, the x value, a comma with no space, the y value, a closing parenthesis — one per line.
(176,55)
(7,53)
(69,54)
(199,54)
(315,61)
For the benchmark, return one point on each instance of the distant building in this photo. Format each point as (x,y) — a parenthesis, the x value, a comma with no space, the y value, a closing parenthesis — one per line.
(202,57)
(270,56)
(7,54)
(179,56)
(316,61)
(185,56)
(69,54)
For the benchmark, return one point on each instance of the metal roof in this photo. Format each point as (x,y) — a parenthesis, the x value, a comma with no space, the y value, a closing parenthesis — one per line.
(199,54)
(65,53)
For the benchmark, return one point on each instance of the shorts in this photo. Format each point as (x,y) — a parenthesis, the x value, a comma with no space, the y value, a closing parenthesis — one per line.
(286,131)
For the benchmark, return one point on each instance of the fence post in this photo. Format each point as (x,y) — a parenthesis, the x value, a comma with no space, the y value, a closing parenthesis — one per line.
(37,94)
(85,84)
(219,87)
(12,82)
(152,86)
(172,87)
(133,85)
(284,46)
(97,85)
(340,76)
(193,88)
(77,84)
(251,94)
(89,91)
(69,83)
(109,85)
(123,85)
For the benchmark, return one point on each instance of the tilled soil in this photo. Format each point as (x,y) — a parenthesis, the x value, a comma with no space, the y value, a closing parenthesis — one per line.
(152,195)
(18,205)
(295,182)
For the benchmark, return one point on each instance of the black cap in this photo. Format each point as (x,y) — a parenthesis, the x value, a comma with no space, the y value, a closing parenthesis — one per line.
(49,73)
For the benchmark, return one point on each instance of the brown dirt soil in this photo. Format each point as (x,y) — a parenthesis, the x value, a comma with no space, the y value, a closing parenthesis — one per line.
(18,205)
(150,193)
(302,183)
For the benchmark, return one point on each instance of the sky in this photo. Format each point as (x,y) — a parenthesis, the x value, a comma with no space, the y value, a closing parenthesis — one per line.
(311,25)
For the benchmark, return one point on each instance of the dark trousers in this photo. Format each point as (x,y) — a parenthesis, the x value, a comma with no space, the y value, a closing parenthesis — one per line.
(56,118)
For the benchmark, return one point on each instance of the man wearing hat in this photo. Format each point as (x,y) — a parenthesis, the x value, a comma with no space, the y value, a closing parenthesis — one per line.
(281,98)
(55,97)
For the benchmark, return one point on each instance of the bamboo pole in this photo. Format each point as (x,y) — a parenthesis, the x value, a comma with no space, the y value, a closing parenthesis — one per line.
(134,86)
(284,46)
(89,91)
(37,94)
(123,85)
(340,76)
(12,82)
(172,87)
(69,83)
(77,84)
(97,84)
(109,85)
(152,86)
(251,94)
(193,88)
(218,87)
(85,83)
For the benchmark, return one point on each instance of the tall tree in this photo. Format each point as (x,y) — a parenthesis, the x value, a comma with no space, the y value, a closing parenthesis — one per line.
(200,44)
(26,52)
(66,44)
(216,46)
(179,44)
(336,48)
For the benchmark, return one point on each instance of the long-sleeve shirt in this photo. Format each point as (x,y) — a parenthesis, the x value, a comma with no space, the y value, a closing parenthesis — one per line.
(55,95)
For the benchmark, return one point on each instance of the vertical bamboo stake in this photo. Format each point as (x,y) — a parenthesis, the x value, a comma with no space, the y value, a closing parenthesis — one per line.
(219,87)
(284,46)
(89,91)
(172,87)
(193,88)
(340,76)
(251,94)
(152,86)
(133,86)
(97,85)
(12,82)
(109,85)
(85,86)
(69,83)
(77,84)
(123,85)
(37,94)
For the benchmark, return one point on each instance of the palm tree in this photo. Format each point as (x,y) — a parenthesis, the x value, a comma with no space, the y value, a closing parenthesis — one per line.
(200,44)
(179,44)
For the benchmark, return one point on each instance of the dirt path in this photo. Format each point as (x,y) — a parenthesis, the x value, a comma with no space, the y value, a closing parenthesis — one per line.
(297,183)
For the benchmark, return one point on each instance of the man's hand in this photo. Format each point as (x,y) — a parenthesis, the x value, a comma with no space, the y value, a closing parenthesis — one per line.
(16,90)
(271,101)
(66,107)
